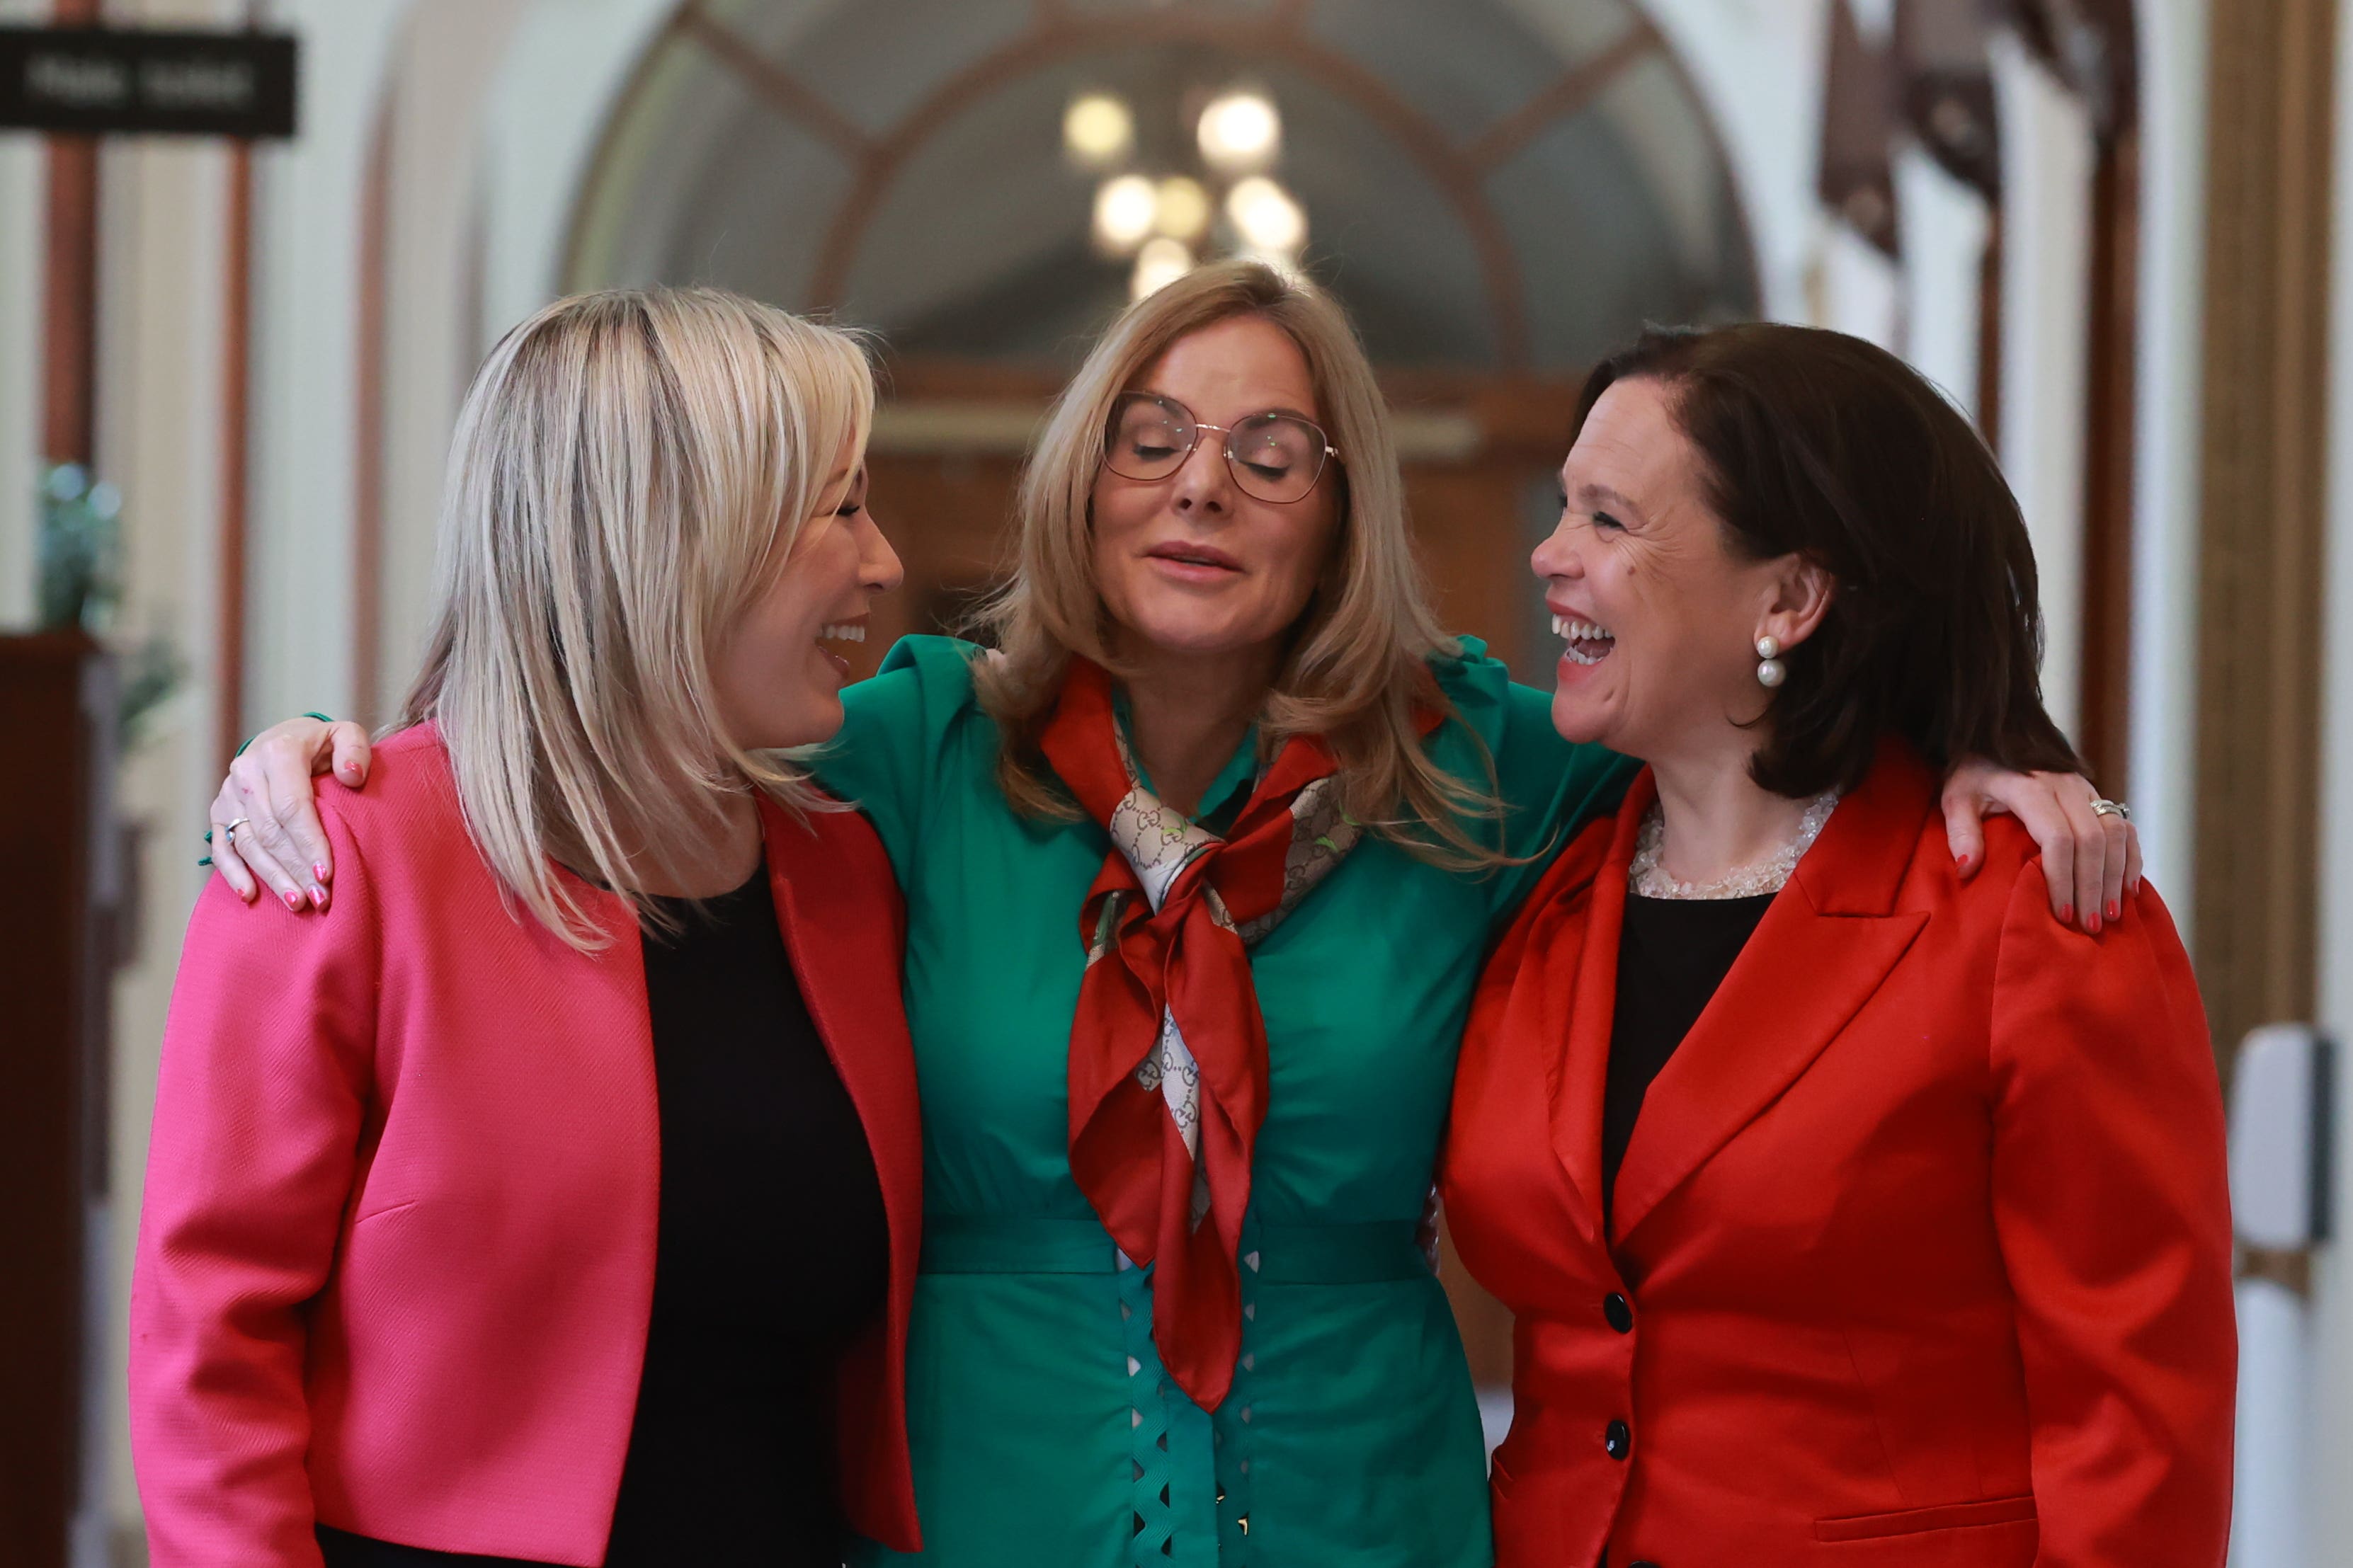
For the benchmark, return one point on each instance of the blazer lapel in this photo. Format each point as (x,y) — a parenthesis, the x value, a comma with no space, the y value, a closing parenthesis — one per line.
(1580,1068)
(843,931)
(1825,945)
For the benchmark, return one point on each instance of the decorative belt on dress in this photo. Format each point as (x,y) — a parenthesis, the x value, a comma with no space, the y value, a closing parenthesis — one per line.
(1273,1254)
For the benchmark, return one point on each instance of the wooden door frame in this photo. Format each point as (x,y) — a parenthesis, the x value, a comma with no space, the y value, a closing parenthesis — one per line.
(2264,502)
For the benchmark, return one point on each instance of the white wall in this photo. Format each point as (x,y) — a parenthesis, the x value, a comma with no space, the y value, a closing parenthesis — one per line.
(568,63)
(305,355)
(1760,71)
(23,191)
(2046,256)
(449,52)
(2167,425)
(23,187)
(1856,287)
(1945,225)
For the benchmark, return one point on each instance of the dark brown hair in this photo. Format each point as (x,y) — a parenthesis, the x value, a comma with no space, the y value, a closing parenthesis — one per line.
(1820,444)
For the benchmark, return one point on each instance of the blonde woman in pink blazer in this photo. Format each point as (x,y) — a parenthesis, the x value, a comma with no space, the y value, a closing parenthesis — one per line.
(554,1196)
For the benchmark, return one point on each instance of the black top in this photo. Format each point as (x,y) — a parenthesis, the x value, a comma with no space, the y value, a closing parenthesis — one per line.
(1672,955)
(773,1252)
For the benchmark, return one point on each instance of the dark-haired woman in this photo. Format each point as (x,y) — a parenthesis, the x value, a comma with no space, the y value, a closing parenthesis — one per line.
(1851,1212)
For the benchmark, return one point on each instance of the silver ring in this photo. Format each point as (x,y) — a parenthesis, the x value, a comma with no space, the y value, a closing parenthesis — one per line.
(2105,808)
(228,834)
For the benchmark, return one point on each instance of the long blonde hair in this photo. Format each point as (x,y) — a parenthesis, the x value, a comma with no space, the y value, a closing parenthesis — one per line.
(1357,670)
(629,472)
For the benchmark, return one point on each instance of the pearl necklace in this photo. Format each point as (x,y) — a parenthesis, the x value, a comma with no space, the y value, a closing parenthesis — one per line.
(1649,878)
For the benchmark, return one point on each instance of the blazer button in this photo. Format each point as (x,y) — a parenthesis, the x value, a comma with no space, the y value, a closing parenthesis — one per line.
(1619,1311)
(1619,1440)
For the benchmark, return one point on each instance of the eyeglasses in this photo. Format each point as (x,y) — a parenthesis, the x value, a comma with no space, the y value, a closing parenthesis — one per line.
(1273,457)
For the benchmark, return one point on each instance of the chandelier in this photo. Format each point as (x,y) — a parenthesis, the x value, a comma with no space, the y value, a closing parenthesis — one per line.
(1167,222)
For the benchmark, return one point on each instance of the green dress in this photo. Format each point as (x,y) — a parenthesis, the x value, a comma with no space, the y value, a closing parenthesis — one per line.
(1045,1433)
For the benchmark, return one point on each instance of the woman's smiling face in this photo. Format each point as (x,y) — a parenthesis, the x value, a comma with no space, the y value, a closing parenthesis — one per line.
(1191,563)
(1659,616)
(778,682)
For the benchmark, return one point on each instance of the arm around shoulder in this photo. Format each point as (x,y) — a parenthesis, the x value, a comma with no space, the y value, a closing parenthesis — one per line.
(267,1061)
(2111,1200)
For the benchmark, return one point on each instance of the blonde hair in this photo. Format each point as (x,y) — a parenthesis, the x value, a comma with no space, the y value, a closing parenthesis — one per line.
(631,470)
(1357,670)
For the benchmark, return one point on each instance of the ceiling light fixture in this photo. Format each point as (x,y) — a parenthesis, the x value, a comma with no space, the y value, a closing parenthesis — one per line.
(1097,130)
(1126,207)
(1181,208)
(1161,262)
(1266,217)
(1240,132)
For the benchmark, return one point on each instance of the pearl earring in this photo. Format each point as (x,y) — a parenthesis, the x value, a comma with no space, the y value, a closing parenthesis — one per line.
(1769,669)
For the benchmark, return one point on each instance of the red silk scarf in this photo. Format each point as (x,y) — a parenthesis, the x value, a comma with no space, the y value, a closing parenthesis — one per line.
(1169,1066)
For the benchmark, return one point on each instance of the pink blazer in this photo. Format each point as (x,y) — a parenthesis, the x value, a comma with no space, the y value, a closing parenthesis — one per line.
(397,1259)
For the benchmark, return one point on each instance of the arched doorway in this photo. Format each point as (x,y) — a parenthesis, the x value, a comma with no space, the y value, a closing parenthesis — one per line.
(1497,194)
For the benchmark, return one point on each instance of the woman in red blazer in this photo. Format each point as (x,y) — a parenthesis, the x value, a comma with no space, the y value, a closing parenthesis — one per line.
(1852,1210)
(554,1196)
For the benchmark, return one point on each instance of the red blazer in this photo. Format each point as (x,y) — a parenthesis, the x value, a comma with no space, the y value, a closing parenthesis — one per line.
(1921,1250)
(396,1258)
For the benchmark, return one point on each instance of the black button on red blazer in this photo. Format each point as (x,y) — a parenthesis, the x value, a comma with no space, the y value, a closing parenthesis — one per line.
(1922,1234)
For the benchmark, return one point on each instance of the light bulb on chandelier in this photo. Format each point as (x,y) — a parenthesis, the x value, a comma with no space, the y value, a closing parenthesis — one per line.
(1097,130)
(1266,217)
(1126,208)
(1161,262)
(1180,208)
(1240,131)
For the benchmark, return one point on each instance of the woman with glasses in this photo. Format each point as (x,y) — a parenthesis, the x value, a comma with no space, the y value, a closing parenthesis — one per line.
(1200,869)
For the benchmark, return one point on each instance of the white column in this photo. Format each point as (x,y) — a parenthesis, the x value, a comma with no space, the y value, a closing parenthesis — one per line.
(556,91)
(1945,223)
(305,364)
(2047,164)
(24,221)
(2169,407)
(1857,288)
(450,53)
(1758,69)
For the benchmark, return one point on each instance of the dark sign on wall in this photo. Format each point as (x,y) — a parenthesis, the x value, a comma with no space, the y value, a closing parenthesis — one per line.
(114,80)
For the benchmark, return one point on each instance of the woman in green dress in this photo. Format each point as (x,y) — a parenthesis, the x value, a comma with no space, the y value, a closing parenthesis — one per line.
(1200,869)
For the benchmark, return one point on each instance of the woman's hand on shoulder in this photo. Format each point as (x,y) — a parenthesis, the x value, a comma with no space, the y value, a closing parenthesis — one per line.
(2090,859)
(267,796)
